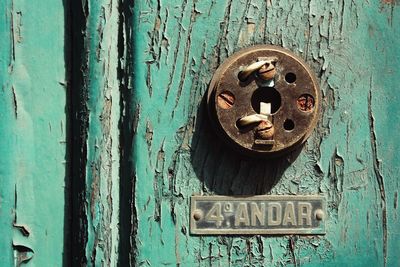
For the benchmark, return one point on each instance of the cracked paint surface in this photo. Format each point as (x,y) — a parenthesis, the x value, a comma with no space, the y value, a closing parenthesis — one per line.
(349,158)
(33,133)
(126,80)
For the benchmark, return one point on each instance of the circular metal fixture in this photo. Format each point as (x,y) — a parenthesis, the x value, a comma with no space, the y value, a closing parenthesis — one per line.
(264,101)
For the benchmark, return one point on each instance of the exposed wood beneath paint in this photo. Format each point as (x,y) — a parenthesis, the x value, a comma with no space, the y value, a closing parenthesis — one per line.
(140,143)
(178,46)
(95,114)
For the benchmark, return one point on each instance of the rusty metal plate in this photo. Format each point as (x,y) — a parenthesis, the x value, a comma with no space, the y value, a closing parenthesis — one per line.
(292,92)
(223,215)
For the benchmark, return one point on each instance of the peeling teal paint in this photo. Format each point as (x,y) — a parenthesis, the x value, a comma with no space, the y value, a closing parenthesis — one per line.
(7,121)
(130,77)
(33,130)
(102,184)
(348,43)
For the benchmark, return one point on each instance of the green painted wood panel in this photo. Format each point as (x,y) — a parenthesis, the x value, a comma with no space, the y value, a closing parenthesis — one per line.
(106,136)
(33,133)
(95,147)
(353,47)
(102,166)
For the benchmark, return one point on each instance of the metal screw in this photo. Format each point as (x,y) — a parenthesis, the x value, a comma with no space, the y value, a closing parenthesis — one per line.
(305,102)
(226,100)
(251,69)
(267,71)
(265,130)
(197,215)
(319,214)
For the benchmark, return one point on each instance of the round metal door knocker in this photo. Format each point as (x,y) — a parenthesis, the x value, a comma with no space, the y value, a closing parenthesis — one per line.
(264,101)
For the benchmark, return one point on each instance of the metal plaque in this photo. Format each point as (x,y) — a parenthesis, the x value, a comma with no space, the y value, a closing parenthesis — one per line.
(214,215)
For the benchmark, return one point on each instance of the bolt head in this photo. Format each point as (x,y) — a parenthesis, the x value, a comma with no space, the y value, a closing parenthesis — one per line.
(265,130)
(197,215)
(319,214)
(306,103)
(267,72)
(226,100)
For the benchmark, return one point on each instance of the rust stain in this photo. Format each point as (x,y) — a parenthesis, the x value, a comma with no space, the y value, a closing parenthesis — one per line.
(95,190)
(23,254)
(388,2)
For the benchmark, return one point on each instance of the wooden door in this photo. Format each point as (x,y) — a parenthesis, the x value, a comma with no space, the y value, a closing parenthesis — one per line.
(105,133)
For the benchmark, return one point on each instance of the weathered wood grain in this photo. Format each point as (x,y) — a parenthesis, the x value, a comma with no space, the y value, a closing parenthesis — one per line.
(351,157)
(33,133)
(132,76)
(95,113)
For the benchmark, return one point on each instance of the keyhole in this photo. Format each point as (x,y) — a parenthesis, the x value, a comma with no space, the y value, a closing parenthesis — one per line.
(266,95)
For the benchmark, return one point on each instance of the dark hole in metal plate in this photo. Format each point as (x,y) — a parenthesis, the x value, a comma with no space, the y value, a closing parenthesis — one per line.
(275,215)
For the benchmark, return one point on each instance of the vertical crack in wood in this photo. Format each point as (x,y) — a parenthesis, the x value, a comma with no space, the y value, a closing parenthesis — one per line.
(176,50)
(223,41)
(78,119)
(378,174)
(292,245)
(129,119)
(186,52)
